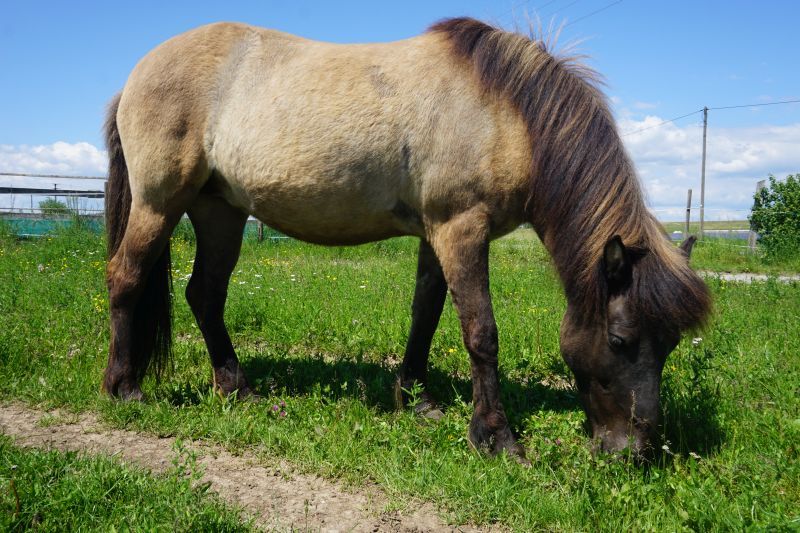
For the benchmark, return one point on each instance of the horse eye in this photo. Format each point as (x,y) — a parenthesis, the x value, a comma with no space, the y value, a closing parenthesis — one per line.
(615,342)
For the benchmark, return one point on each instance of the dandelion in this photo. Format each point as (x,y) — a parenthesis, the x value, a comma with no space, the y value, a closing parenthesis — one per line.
(40,267)
(451,350)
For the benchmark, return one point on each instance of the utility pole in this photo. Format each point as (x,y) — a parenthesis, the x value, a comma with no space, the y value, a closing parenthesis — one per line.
(688,215)
(703,173)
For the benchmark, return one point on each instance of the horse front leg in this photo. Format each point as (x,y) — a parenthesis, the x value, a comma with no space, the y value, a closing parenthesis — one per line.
(429,296)
(462,246)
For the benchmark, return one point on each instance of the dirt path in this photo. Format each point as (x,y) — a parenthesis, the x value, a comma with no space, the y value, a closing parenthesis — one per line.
(278,497)
(747,277)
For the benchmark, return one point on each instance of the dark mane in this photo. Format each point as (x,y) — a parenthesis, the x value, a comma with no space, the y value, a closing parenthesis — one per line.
(583,187)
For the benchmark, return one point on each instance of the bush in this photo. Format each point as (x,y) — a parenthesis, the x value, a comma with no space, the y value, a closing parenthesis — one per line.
(775,216)
(51,206)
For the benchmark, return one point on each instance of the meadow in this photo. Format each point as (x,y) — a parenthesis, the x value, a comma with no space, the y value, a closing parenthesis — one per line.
(321,331)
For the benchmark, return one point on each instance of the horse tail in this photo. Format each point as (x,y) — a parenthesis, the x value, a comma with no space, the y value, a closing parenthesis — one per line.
(152,317)
(118,188)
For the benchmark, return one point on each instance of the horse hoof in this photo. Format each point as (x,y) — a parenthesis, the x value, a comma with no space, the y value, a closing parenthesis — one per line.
(429,410)
(426,406)
(495,445)
(128,393)
(248,395)
(240,394)
(123,389)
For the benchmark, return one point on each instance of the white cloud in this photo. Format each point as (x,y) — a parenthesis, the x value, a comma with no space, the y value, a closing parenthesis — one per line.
(645,105)
(58,158)
(668,159)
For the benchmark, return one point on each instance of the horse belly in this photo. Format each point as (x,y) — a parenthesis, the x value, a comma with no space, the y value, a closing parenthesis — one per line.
(322,192)
(326,211)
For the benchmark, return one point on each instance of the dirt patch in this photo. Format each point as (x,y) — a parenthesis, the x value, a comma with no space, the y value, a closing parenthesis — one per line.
(747,277)
(277,496)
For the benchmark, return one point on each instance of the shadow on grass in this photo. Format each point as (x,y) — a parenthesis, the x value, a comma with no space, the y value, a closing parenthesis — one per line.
(690,419)
(371,383)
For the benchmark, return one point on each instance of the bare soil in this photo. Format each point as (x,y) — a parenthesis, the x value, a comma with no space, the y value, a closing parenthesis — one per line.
(276,495)
(747,277)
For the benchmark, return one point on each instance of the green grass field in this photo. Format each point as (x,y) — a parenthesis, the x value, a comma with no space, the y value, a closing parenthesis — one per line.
(694,226)
(51,491)
(323,330)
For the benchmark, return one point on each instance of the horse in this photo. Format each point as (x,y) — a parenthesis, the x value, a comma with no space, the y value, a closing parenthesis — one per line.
(456,136)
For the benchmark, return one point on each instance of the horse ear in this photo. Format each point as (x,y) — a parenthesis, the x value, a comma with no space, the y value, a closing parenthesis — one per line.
(616,262)
(687,245)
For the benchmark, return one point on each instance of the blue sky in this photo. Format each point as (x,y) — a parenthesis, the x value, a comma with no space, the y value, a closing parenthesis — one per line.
(62,61)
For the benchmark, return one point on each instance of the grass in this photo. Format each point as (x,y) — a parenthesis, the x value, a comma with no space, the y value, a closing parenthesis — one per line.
(52,491)
(323,330)
(694,227)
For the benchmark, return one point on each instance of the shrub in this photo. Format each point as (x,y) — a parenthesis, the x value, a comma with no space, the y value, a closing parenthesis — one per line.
(51,206)
(775,216)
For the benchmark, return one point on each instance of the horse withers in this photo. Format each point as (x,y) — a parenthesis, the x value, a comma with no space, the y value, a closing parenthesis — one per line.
(456,136)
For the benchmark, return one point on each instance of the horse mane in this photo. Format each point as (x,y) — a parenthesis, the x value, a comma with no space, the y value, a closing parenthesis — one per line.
(583,186)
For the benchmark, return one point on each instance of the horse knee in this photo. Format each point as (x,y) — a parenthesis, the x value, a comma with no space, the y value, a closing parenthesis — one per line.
(206,303)
(124,285)
(194,295)
(481,342)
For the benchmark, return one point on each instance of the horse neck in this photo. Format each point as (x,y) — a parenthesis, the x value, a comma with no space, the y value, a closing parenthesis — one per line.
(576,217)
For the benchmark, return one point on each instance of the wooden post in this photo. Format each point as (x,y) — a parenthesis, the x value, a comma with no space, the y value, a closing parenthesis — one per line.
(703,174)
(688,215)
(751,239)
(260,231)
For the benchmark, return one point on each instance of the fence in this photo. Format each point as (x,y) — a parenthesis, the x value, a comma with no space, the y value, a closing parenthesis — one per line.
(50,212)
(45,210)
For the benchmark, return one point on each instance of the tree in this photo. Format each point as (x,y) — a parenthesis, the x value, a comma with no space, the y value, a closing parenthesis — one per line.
(775,216)
(51,206)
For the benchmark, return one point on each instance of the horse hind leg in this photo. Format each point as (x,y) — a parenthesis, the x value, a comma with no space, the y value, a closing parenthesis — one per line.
(462,246)
(138,285)
(429,297)
(219,228)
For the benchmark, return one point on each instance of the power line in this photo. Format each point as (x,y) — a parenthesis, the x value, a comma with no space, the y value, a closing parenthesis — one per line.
(755,105)
(662,123)
(562,8)
(710,109)
(592,13)
(535,9)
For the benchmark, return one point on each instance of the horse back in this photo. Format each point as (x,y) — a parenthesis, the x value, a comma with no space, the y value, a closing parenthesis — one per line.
(372,140)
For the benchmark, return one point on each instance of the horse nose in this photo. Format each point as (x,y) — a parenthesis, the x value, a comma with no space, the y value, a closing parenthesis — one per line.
(636,445)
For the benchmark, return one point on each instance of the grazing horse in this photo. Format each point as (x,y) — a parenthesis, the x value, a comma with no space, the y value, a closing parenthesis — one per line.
(456,136)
